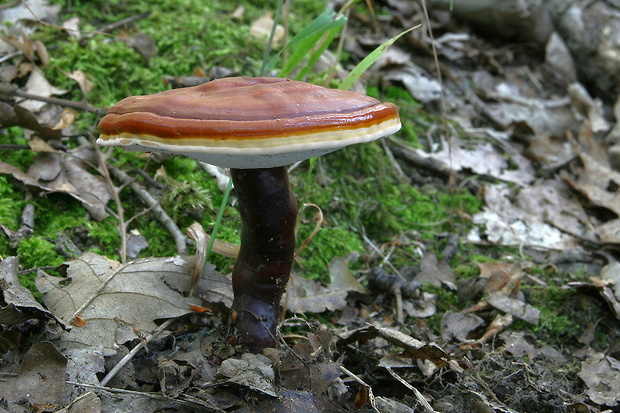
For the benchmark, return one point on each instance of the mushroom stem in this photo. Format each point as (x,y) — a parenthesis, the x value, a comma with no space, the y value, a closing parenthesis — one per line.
(268,212)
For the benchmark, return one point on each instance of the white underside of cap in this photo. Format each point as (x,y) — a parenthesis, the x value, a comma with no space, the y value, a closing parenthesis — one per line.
(271,153)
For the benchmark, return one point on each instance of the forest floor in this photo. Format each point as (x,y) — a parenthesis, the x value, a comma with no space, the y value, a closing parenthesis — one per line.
(467,263)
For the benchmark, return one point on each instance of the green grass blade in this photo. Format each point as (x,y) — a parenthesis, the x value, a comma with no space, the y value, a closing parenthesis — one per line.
(263,69)
(301,43)
(327,39)
(369,60)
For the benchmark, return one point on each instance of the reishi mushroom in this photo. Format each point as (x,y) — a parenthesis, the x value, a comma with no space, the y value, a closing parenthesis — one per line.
(256,127)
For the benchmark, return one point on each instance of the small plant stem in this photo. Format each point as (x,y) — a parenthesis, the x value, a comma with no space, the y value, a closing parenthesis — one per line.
(220,215)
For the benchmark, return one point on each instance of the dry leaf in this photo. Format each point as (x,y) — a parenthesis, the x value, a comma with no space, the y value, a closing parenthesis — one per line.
(600,374)
(437,272)
(609,232)
(38,85)
(310,296)
(54,172)
(457,326)
(595,182)
(514,307)
(39,9)
(504,223)
(459,155)
(253,371)
(40,380)
(39,145)
(16,302)
(113,298)
(415,349)
(67,117)
(22,117)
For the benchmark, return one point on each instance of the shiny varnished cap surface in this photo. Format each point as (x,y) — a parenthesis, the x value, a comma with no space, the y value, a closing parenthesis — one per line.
(248,122)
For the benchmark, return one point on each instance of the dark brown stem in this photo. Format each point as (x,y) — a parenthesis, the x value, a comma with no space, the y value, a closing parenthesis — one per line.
(268,213)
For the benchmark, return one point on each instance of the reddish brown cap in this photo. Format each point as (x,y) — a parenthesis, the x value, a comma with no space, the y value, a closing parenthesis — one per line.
(248,122)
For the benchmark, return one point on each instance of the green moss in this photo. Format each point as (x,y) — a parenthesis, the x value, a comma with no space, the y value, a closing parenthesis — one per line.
(38,251)
(10,204)
(562,315)
(447,300)
(328,243)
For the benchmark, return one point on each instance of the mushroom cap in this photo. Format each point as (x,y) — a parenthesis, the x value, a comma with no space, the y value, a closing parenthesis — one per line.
(248,123)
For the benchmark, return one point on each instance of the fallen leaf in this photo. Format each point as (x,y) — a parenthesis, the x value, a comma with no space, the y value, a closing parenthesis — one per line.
(310,296)
(609,232)
(143,44)
(437,272)
(55,172)
(514,307)
(600,374)
(504,223)
(422,86)
(22,117)
(111,297)
(602,289)
(40,380)
(253,371)
(516,344)
(596,182)
(423,306)
(34,10)
(556,205)
(17,303)
(413,348)
(67,117)
(612,272)
(39,145)
(309,365)
(460,155)
(38,85)
(457,326)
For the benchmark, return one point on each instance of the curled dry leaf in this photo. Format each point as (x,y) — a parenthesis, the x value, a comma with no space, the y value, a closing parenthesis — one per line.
(22,117)
(16,302)
(459,326)
(514,307)
(413,348)
(38,85)
(54,172)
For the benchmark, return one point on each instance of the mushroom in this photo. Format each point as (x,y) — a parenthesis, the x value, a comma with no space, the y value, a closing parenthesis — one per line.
(256,127)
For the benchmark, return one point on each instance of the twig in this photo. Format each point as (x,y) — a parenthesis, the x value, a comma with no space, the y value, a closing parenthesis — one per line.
(395,165)
(418,395)
(385,259)
(120,211)
(135,350)
(160,214)
(11,90)
(371,396)
(186,400)
(402,151)
(115,25)
(471,369)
